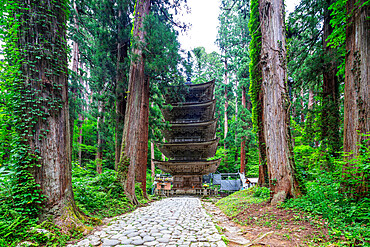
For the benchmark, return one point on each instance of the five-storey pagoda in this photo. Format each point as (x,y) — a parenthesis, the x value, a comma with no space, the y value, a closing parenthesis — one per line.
(191,140)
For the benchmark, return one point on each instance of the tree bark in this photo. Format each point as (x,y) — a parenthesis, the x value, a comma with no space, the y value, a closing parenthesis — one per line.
(143,142)
(356,97)
(302,106)
(130,155)
(75,63)
(242,145)
(256,90)
(330,108)
(99,151)
(45,87)
(226,127)
(122,53)
(81,120)
(152,158)
(280,162)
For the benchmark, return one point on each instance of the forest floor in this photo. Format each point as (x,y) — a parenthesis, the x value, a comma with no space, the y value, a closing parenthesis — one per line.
(260,224)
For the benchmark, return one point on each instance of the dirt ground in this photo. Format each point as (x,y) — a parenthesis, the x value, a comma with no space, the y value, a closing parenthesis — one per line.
(264,225)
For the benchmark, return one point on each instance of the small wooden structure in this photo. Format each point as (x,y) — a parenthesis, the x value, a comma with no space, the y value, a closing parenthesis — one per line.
(192,137)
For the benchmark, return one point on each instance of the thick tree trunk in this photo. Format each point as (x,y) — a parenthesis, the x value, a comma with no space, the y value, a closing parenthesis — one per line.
(130,155)
(263,175)
(242,145)
(256,90)
(45,88)
(356,96)
(330,106)
(143,142)
(122,53)
(280,162)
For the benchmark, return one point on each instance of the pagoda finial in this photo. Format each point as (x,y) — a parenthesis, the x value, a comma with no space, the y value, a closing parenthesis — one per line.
(189,69)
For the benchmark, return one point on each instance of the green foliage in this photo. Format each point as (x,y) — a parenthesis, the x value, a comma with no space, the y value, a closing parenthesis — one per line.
(99,195)
(254,67)
(347,218)
(330,194)
(337,38)
(31,93)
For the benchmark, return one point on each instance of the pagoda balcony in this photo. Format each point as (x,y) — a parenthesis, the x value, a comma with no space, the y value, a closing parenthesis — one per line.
(190,113)
(193,131)
(186,151)
(197,167)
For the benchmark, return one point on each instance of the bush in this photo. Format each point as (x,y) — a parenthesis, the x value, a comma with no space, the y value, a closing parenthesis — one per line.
(99,195)
(346,217)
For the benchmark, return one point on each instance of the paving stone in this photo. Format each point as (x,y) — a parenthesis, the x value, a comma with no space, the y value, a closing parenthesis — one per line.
(110,242)
(166,223)
(152,243)
(138,242)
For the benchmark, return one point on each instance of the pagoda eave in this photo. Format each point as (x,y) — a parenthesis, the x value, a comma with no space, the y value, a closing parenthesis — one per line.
(199,167)
(189,150)
(197,131)
(187,113)
(192,92)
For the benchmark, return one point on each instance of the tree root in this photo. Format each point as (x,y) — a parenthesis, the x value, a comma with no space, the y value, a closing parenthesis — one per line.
(256,241)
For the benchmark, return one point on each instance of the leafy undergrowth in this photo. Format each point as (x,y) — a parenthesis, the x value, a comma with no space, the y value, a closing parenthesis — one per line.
(348,219)
(97,196)
(273,226)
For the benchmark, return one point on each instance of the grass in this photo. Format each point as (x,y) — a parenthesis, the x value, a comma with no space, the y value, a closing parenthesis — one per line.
(232,205)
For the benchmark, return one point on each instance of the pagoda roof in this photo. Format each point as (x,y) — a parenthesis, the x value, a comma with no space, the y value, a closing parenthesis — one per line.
(194,131)
(190,112)
(190,93)
(197,167)
(189,150)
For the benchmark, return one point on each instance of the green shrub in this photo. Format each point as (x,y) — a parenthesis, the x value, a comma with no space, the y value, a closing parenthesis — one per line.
(346,217)
(99,195)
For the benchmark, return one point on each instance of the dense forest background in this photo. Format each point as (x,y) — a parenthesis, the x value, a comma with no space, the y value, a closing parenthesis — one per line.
(82,52)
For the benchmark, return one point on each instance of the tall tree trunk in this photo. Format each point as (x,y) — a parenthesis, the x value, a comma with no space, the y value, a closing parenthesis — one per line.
(236,123)
(152,158)
(81,120)
(356,96)
(99,151)
(45,90)
(122,53)
(256,90)
(311,99)
(242,145)
(131,132)
(302,106)
(75,63)
(280,162)
(330,107)
(143,141)
(226,126)
(120,116)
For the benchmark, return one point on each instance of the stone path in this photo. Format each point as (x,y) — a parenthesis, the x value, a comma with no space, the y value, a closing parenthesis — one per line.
(170,222)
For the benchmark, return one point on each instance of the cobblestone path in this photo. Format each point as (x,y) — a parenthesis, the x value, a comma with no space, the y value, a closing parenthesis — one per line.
(169,222)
